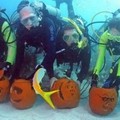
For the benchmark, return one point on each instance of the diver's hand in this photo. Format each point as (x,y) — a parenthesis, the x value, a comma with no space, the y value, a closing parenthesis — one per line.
(52,80)
(68,72)
(116,83)
(94,80)
(81,77)
(6,67)
(38,67)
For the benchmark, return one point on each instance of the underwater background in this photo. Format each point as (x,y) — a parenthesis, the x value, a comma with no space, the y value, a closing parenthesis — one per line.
(88,9)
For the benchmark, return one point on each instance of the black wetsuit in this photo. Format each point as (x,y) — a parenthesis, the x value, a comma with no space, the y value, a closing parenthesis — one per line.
(72,54)
(42,36)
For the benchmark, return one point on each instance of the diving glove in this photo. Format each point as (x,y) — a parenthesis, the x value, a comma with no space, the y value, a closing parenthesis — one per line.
(6,67)
(116,83)
(94,80)
(81,77)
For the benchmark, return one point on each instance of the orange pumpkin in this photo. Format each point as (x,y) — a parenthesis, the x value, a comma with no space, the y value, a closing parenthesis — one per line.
(22,95)
(4,88)
(1,73)
(68,95)
(102,101)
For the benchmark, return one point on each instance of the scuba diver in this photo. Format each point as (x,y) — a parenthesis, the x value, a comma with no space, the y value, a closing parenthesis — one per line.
(109,40)
(73,47)
(71,13)
(38,30)
(7,47)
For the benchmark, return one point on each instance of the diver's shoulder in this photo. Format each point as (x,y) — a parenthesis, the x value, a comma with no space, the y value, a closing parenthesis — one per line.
(2,20)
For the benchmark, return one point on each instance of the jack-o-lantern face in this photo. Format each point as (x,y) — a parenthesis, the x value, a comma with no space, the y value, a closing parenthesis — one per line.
(4,88)
(22,95)
(68,95)
(102,101)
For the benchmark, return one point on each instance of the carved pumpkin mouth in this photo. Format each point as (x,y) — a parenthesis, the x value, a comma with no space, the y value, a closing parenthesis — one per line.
(107,108)
(60,91)
(70,88)
(107,103)
(16,101)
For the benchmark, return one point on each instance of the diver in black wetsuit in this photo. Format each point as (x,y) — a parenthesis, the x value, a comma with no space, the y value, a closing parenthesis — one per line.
(73,47)
(36,30)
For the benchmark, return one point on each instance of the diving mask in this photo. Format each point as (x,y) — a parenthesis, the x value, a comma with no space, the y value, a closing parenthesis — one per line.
(72,36)
(31,21)
(28,17)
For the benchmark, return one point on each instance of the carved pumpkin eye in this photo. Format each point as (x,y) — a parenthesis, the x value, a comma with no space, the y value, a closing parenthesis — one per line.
(17,90)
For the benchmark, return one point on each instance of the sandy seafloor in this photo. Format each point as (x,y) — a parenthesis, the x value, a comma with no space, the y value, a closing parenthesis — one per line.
(42,111)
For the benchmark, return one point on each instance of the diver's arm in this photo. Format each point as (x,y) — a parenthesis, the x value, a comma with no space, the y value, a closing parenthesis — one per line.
(101,53)
(71,13)
(9,38)
(118,71)
(85,63)
(50,49)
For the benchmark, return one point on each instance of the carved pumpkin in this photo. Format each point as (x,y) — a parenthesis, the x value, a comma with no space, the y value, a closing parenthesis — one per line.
(4,88)
(102,101)
(22,95)
(68,95)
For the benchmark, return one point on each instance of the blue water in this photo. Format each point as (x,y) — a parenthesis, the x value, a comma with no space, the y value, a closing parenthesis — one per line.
(41,111)
(86,8)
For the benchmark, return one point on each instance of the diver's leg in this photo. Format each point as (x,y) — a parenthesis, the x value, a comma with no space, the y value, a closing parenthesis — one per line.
(71,12)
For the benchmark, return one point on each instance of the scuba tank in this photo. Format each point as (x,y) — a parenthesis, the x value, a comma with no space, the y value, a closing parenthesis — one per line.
(40,6)
(53,11)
